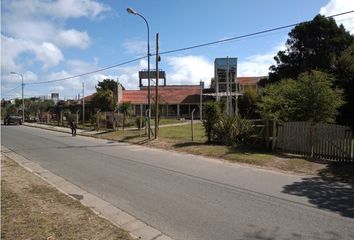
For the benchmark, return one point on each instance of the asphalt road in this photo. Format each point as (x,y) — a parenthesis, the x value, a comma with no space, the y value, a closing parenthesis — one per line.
(191,197)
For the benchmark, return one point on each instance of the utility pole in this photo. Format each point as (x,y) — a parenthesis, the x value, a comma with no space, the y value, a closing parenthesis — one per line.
(117,100)
(201,100)
(23,100)
(157,87)
(83,103)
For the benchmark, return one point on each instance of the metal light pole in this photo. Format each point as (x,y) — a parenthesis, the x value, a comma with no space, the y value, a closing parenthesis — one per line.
(83,104)
(132,11)
(157,88)
(23,101)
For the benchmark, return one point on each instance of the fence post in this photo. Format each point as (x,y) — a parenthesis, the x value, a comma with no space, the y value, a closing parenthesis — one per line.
(146,121)
(61,118)
(105,120)
(141,119)
(274,138)
(77,117)
(267,133)
(98,119)
(192,127)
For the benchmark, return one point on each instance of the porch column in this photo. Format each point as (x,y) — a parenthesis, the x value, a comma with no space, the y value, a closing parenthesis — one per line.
(177,110)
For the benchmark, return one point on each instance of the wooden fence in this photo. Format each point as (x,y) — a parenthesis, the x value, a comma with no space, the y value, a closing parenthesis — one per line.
(323,141)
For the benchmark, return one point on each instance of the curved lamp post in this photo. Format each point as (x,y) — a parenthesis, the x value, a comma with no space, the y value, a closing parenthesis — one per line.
(132,11)
(23,101)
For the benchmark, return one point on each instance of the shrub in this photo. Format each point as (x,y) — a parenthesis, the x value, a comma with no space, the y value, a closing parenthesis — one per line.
(232,130)
(211,115)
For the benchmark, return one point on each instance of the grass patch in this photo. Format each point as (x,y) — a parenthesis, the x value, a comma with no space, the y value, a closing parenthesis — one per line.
(165,121)
(183,133)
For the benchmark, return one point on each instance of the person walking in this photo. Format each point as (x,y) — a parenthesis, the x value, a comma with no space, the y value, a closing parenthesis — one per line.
(73,127)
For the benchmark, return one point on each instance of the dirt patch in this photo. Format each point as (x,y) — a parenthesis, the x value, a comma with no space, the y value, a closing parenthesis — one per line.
(33,209)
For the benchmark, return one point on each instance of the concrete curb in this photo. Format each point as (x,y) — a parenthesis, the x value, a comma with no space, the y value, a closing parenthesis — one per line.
(136,228)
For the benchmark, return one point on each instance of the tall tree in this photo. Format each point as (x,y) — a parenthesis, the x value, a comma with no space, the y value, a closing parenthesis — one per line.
(313,45)
(247,104)
(308,98)
(103,100)
(107,84)
(344,71)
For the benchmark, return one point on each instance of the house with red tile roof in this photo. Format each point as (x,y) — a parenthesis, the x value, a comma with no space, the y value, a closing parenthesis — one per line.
(174,100)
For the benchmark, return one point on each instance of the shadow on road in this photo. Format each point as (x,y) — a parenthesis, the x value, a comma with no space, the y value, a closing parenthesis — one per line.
(332,189)
(275,234)
(109,144)
(188,144)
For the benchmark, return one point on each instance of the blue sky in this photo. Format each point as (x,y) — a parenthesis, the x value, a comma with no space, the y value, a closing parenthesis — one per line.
(47,40)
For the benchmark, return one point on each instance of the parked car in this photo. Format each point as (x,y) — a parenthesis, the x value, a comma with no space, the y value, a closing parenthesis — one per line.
(13,118)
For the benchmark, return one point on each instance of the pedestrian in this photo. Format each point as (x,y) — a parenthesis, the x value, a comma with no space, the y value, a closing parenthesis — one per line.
(73,127)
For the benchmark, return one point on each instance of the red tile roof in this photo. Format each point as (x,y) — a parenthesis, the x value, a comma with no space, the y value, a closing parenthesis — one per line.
(88,98)
(249,80)
(169,95)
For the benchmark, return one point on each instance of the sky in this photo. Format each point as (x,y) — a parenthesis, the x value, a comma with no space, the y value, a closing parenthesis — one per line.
(50,40)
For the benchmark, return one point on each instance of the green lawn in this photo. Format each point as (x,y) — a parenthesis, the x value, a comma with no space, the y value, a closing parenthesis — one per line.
(183,133)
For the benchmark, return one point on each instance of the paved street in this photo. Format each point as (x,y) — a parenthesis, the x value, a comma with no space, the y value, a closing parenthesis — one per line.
(191,197)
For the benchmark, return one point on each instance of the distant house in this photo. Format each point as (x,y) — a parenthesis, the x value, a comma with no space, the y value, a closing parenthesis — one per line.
(180,100)
(174,100)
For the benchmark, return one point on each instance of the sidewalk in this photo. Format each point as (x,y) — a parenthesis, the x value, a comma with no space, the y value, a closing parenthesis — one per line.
(82,132)
(85,132)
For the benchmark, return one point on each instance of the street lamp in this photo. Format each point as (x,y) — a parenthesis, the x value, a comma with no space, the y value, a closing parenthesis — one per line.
(132,11)
(23,101)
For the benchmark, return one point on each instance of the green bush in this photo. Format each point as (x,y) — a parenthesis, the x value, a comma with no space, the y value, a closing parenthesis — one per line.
(211,115)
(232,130)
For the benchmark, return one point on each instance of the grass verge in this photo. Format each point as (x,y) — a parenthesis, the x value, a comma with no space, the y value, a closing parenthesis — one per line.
(32,209)
(178,138)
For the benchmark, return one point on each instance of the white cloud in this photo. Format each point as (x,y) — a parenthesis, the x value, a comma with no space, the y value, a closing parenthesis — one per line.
(47,53)
(57,9)
(29,29)
(189,70)
(73,38)
(129,75)
(135,47)
(78,66)
(75,8)
(258,65)
(340,6)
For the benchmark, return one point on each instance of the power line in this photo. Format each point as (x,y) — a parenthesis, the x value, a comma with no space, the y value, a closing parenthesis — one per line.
(88,73)
(187,48)
(7,92)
